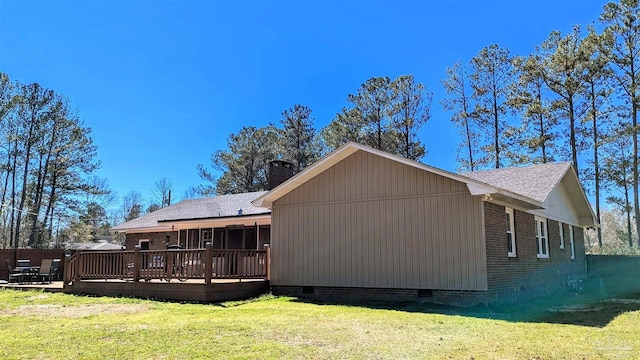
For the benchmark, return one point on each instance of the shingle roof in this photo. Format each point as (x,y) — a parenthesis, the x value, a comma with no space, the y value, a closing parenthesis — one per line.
(534,181)
(222,206)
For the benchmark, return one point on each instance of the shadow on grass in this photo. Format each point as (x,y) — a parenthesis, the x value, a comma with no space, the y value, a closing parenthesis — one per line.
(581,310)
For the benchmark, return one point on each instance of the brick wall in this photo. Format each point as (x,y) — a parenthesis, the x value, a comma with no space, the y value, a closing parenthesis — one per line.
(346,293)
(451,297)
(157,240)
(527,275)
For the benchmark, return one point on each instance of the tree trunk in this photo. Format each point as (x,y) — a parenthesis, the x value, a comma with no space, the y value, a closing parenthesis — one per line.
(407,139)
(466,122)
(13,241)
(634,117)
(572,129)
(596,164)
(543,144)
(496,129)
(25,173)
(628,211)
(4,192)
(471,164)
(33,213)
(48,214)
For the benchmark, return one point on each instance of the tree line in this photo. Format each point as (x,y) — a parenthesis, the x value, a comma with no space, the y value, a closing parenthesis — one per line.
(383,113)
(46,158)
(574,98)
(49,193)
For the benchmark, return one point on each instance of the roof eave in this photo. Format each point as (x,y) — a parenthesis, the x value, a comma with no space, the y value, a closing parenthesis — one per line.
(166,221)
(475,187)
(141,229)
(586,220)
(503,196)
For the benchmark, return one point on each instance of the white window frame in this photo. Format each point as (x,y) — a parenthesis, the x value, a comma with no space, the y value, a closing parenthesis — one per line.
(571,243)
(140,241)
(561,228)
(542,241)
(512,231)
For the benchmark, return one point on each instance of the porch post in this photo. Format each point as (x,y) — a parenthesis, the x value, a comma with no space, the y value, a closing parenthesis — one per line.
(67,275)
(136,263)
(267,263)
(257,236)
(208,263)
(244,240)
(77,266)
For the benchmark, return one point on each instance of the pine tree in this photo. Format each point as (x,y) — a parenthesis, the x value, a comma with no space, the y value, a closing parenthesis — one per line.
(621,46)
(410,109)
(564,64)
(299,137)
(244,165)
(598,89)
(527,96)
(490,79)
(460,103)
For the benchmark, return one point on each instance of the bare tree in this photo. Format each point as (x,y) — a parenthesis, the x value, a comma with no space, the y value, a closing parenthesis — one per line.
(161,192)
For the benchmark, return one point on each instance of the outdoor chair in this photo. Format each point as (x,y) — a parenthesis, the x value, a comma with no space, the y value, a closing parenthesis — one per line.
(45,271)
(23,263)
(55,268)
(13,276)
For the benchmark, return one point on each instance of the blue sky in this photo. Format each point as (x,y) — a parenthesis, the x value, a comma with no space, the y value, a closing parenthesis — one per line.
(163,83)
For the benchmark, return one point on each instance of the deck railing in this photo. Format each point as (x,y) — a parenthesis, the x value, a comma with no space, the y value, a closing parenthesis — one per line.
(136,265)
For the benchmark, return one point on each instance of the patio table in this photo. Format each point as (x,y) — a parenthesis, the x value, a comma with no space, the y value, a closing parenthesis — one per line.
(27,273)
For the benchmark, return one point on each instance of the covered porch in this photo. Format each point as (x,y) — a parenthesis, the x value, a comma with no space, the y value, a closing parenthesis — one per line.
(245,233)
(233,233)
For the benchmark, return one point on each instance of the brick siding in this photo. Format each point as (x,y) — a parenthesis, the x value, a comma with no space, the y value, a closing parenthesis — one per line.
(157,240)
(323,293)
(526,275)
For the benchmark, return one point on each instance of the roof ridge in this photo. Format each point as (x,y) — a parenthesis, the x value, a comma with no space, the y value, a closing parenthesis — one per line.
(519,167)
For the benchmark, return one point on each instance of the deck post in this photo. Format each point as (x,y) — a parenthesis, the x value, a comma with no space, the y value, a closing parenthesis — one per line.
(267,263)
(67,268)
(77,266)
(136,263)
(169,263)
(208,263)
(240,264)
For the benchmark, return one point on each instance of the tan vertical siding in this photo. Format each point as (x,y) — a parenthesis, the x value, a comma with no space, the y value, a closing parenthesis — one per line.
(373,222)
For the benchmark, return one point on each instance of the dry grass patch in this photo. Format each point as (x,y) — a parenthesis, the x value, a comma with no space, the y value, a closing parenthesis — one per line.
(52,310)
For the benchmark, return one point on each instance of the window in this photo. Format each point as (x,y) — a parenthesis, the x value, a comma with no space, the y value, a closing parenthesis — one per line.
(542,237)
(561,229)
(571,244)
(143,244)
(511,233)
(207,237)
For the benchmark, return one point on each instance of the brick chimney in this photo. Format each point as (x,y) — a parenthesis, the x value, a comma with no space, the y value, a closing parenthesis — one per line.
(279,172)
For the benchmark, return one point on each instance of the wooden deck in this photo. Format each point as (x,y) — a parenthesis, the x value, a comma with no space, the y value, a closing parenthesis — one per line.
(198,275)
(191,291)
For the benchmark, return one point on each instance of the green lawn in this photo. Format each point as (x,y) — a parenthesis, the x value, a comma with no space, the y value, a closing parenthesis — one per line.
(36,325)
